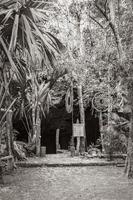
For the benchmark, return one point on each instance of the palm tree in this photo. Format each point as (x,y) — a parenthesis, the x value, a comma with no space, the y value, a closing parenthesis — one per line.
(23,34)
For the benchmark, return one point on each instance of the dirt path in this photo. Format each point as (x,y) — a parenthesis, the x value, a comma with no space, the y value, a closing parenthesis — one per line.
(67,183)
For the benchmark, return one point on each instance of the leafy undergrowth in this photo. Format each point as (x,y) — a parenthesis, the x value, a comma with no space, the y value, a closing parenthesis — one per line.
(75,183)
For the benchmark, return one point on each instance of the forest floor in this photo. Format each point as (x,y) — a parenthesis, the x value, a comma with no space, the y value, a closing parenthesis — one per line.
(67,183)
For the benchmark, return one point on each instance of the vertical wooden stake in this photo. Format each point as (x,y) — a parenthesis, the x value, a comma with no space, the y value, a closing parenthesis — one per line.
(78,145)
(57,139)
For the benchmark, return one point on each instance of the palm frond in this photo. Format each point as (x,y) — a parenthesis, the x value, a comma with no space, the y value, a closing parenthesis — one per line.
(46,41)
(8,15)
(56,42)
(30,38)
(8,54)
(7,3)
(38,16)
(14,35)
(43,90)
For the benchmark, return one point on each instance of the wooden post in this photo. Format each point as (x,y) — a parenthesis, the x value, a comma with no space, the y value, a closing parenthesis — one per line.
(78,145)
(43,151)
(57,139)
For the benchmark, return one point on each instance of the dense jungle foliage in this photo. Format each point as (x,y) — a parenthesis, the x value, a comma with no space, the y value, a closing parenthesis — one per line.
(45,45)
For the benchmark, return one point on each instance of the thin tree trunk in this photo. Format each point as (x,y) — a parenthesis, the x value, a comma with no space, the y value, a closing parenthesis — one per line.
(82,117)
(1,175)
(9,113)
(38,132)
(0,138)
(109,115)
(81,107)
(8,130)
(101,131)
(33,105)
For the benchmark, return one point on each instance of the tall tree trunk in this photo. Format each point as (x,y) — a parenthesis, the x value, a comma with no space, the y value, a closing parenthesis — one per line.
(36,117)
(79,87)
(129,159)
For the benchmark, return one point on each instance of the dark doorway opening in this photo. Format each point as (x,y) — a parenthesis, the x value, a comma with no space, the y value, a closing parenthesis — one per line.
(20,126)
(50,142)
(91,126)
(48,137)
(58,118)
